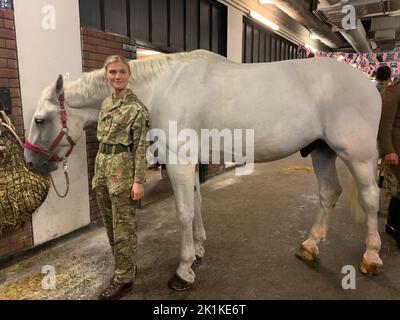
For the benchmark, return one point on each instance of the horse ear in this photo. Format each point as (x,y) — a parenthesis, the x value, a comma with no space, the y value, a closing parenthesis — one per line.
(59,84)
(57,88)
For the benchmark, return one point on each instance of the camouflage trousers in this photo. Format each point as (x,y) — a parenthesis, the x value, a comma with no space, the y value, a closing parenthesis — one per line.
(391,176)
(112,183)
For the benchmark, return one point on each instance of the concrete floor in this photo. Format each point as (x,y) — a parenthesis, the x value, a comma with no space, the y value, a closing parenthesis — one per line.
(254,225)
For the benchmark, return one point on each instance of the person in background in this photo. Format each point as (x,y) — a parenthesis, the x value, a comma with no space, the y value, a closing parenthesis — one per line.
(383,77)
(389,149)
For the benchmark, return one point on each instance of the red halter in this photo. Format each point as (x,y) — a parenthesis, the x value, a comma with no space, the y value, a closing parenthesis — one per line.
(57,140)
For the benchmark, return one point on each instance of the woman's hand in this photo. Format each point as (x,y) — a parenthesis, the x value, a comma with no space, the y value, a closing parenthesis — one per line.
(392,159)
(137,191)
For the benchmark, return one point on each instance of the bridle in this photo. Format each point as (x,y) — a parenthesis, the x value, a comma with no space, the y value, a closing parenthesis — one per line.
(63,132)
(50,151)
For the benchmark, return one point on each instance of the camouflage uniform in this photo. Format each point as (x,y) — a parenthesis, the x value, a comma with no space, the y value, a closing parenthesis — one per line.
(389,135)
(121,161)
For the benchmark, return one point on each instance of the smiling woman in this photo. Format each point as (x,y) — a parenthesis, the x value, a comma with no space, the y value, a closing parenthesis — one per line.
(120,171)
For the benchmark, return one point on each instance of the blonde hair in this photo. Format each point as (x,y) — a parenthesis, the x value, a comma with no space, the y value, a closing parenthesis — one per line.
(116,58)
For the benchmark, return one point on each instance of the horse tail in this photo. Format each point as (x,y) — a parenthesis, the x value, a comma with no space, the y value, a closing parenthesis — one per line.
(355,207)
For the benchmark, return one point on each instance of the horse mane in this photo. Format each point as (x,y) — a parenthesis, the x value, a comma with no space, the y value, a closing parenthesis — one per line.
(89,87)
(92,86)
(147,68)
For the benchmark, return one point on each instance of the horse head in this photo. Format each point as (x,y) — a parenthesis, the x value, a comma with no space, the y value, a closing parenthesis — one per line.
(54,130)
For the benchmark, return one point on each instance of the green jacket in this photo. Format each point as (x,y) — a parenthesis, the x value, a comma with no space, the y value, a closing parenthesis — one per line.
(389,126)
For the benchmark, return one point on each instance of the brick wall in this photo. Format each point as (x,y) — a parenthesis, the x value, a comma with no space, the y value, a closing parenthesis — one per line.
(9,76)
(96,47)
(12,241)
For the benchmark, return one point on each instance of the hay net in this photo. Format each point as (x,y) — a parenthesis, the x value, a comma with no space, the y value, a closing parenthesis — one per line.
(21,190)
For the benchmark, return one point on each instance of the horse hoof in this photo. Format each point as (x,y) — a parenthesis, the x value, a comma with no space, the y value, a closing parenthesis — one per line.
(370,268)
(304,254)
(197,263)
(178,284)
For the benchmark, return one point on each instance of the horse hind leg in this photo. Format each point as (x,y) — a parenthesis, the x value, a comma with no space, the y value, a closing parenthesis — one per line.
(182,180)
(364,172)
(323,159)
(199,234)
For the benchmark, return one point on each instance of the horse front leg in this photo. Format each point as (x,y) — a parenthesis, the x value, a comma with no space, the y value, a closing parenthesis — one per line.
(182,180)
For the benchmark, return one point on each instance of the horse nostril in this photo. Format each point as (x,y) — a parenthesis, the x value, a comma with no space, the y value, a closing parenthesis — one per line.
(30,165)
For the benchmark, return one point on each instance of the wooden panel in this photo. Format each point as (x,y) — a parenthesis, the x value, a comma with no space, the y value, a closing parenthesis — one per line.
(262,47)
(287,51)
(216,29)
(249,44)
(267,47)
(278,49)
(273,49)
(177,25)
(115,16)
(256,45)
(140,20)
(159,22)
(205,24)
(90,13)
(192,21)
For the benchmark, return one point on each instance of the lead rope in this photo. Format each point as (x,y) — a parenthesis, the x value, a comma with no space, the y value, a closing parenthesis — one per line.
(65,169)
(9,126)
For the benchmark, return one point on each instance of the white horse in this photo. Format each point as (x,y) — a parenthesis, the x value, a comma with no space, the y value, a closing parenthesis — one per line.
(289,104)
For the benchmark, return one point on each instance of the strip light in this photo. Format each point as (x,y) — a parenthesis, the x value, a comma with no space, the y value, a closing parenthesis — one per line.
(313,36)
(264,20)
(147,52)
(265,1)
(311,48)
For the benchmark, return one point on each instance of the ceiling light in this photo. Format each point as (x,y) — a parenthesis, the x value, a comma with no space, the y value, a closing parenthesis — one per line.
(264,20)
(313,36)
(311,48)
(147,52)
(265,1)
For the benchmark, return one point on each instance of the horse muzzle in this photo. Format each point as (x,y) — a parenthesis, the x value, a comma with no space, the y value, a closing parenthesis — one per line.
(39,163)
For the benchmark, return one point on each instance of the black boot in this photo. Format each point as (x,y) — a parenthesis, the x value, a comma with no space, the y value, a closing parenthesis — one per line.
(393,220)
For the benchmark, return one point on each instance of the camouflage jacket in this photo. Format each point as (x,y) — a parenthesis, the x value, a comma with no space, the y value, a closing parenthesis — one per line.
(389,126)
(126,121)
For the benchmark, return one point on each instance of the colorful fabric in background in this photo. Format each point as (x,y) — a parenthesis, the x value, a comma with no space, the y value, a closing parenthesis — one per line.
(366,62)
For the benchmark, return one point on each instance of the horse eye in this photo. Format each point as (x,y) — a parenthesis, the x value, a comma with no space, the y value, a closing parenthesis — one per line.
(39,121)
